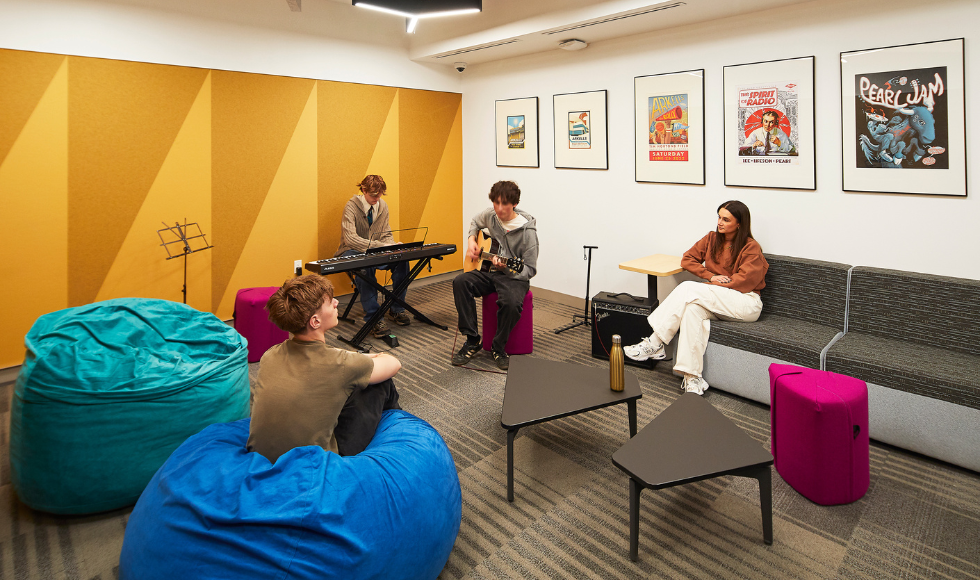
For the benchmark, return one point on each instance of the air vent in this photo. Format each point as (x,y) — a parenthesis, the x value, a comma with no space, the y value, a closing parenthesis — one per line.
(615,18)
(476,48)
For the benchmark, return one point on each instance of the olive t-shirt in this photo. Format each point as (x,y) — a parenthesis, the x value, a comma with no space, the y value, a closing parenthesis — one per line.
(301,388)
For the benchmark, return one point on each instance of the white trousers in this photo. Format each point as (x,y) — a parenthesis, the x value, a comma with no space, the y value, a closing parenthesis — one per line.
(690,308)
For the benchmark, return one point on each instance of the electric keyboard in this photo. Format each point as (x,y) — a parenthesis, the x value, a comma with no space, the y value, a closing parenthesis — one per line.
(347,263)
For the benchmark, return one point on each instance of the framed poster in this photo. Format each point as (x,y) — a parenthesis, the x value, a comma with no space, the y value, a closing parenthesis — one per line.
(769,136)
(669,131)
(903,108)
(517,132)
(581,130)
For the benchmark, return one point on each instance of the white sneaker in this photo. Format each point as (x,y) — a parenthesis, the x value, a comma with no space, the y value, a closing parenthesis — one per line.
(648,348)
(695,385)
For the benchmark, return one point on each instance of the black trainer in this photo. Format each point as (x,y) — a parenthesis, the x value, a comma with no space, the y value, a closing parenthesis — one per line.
(401,318)
(467,352)
(502,360)
(380,329)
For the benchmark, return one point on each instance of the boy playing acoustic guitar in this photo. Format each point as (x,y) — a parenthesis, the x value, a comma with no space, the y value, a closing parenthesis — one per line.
(515,236)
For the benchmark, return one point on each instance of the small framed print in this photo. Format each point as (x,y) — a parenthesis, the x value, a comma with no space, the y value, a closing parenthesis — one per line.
(517,132)
(581,131)
(903,119)
(669,132)
(769,128)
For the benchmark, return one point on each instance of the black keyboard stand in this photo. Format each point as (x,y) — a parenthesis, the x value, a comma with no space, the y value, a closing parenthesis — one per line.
(351,301)
(391,296)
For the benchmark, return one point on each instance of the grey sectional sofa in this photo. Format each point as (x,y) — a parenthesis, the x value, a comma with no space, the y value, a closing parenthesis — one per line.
(914,338)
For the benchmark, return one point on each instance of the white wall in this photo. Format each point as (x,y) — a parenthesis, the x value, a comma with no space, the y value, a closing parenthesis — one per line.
(327,40)
(627,220)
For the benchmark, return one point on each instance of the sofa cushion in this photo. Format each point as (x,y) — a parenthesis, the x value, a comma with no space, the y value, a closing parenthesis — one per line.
(930,371)
(934,311)
(788,339)
(803,289)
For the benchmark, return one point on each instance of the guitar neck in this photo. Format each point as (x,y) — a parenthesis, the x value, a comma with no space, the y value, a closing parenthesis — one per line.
(487,256)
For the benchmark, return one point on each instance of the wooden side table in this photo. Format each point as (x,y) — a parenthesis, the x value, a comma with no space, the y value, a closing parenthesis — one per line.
(654,266)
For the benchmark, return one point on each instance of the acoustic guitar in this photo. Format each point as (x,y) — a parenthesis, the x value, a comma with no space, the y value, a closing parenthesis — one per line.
(489,249)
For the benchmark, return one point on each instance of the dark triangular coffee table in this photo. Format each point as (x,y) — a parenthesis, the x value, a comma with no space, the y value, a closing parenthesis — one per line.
(690,441)
(539,390)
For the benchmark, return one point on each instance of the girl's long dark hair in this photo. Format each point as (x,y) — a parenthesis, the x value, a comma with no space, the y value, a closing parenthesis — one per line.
(740,212)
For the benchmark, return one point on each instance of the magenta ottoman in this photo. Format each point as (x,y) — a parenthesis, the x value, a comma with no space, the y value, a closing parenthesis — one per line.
(521,339)
(252,321)
(819,426)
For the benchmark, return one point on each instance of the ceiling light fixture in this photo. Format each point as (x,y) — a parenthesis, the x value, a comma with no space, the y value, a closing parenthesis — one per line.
(415,10)
(572,44)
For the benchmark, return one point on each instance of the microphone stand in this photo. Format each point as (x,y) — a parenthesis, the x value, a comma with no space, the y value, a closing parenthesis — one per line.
(585,312)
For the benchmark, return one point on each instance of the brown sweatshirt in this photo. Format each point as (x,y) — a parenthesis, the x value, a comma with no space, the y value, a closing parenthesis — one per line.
(748,275)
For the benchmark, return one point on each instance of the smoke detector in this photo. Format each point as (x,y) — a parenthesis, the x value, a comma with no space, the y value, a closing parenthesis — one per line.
(572,44)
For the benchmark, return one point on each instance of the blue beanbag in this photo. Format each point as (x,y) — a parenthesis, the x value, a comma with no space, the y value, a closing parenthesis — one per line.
(216,511)
(108,391)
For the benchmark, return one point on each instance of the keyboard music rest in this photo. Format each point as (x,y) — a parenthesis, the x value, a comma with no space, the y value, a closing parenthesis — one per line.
(347,263)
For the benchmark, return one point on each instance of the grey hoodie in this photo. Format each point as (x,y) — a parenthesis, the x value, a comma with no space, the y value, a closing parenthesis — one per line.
(519,243)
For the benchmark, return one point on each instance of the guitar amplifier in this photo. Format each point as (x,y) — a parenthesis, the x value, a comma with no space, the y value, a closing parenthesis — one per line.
(623,315)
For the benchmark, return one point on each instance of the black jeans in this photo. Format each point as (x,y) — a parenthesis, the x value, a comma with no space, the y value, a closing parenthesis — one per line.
(361,414)
(510,302)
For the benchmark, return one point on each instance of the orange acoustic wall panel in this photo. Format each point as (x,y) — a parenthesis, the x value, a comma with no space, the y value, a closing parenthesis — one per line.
(96,155)
(348,129)
(123,118)
(181,190)
(33,193)
(253,121)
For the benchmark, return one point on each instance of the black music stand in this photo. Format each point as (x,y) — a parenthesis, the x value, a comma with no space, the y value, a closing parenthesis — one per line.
(180,233)
(585,315)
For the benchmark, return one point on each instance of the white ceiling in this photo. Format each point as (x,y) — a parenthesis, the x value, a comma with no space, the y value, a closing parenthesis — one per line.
(508,28)
(505,28)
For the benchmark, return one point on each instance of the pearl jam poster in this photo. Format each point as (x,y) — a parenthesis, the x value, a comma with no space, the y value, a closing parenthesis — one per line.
(769,128)
(669,131)
(516,125)
(904,122)
(904,126)
(581,130)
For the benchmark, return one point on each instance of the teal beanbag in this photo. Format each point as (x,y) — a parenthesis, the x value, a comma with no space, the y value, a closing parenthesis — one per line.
(108,391)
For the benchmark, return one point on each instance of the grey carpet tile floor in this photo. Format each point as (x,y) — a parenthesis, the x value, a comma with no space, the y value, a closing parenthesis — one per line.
(919,519)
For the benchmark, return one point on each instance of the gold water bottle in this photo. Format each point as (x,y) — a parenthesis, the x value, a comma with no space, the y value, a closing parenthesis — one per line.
(616,363)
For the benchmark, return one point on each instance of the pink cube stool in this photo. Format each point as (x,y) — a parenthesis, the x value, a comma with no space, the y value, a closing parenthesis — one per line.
(521,340)
(820,439)
(252,321)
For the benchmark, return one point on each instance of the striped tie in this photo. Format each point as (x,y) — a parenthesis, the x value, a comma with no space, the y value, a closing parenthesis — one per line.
(370,215)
